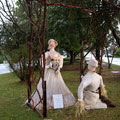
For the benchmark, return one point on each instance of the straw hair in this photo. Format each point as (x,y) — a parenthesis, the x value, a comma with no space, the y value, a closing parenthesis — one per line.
(104,91)
(80,109)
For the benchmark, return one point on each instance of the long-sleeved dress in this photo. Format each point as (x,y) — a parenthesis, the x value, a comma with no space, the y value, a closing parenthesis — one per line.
(54,83)
(88,91)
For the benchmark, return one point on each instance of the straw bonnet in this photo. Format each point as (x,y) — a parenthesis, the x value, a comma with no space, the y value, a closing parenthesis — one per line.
(52,40)
(93,62)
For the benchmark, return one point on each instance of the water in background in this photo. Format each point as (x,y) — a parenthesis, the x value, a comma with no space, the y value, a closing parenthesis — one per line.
(4,68)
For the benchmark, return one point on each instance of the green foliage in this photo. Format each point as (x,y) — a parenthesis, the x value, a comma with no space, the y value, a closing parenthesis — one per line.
(118,52)
(69,26)
(15,36)
(15,48)
(2,58)
(66,26)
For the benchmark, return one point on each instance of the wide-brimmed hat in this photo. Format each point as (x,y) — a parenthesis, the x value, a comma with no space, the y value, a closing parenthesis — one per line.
(93,62)
(52,40)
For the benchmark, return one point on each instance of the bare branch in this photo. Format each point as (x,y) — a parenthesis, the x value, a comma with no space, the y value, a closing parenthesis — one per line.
(115,36)
(5,16)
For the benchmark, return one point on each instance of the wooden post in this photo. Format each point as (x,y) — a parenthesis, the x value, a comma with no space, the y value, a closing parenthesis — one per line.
(43,80)
(30,54)
(44,101)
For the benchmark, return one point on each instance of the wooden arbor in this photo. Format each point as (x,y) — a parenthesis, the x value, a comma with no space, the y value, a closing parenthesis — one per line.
(38,30)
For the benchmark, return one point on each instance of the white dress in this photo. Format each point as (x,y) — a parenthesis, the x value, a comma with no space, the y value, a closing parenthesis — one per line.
(88,91)
(54,84)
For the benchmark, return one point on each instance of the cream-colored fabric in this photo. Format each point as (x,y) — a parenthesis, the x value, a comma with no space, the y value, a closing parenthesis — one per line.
(87,91)
(54,84)
(54,55)
(90,98)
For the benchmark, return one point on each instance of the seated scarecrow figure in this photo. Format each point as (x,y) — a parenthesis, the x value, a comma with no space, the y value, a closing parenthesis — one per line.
(88,90)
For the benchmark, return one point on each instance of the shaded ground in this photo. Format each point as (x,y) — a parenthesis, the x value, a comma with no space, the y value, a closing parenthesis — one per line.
(14,93)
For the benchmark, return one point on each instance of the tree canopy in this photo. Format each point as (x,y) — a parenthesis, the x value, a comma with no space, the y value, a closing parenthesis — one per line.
(67,25)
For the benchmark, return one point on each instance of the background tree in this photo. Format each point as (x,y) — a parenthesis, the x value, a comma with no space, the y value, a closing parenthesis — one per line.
(118,52)
(110,49)
(15,35)
(14,38)
(67,26)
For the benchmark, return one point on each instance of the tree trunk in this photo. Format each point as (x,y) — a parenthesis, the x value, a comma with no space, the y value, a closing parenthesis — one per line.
(72,57)
(97,49)
(116,36)
(23,78)
(109,65)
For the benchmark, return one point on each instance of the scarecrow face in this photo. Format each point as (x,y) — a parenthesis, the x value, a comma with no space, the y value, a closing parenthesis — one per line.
(91,68)
(52,45)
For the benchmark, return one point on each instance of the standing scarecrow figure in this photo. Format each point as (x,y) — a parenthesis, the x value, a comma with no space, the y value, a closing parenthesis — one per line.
(54,81)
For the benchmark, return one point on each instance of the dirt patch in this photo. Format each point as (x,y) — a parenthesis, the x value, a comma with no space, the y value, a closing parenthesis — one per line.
(71,67)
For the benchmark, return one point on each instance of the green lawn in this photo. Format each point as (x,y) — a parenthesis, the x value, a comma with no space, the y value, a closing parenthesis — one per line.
(13,94)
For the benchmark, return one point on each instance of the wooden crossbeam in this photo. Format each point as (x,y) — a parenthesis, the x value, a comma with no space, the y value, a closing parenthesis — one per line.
(69,6)
(107,1)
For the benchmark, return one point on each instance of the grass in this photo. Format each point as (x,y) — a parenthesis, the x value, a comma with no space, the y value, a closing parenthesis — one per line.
(13,95)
